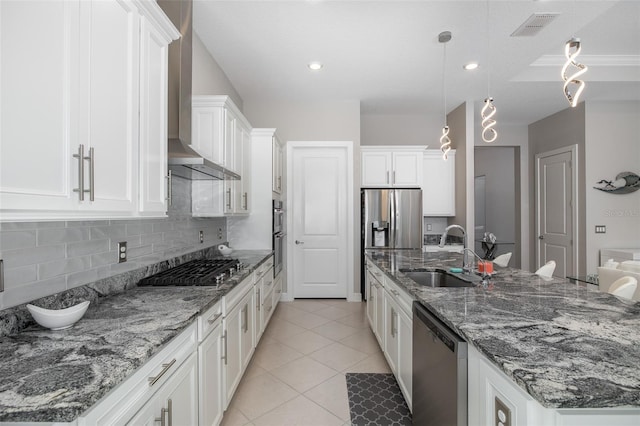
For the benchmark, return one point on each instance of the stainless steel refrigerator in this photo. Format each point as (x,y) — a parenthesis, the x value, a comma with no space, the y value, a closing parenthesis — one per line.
(391,219)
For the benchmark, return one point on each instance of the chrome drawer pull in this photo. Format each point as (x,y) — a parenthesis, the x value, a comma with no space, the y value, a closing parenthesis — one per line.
(165,368)
(215,318)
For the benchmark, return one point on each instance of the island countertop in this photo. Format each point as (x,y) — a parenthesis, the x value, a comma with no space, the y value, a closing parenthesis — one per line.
(55,376)
(567,346)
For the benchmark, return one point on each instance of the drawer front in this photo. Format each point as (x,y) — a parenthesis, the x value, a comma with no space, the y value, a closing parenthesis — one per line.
(267,307)
(404,299)
(264,268)
(268,282)
(209,320)
(377,274)
(232,298)
(129,397)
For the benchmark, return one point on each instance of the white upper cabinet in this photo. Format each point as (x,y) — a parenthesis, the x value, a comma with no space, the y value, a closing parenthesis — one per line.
(278,165)
(391,166)
(438,188)
(84,113)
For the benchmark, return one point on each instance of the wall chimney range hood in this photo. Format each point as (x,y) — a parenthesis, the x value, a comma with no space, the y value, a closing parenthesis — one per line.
(183,160)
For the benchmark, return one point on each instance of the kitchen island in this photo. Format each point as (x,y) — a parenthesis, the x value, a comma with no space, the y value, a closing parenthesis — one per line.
(566,346)
(56,376)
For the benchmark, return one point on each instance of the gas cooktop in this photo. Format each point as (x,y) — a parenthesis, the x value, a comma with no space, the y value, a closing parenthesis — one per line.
(199,272)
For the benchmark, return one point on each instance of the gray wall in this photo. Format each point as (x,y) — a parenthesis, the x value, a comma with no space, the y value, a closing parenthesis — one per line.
(562,129)
(498,165)
(390,129)
(612,146)
(458,121)
(208,77)
(43,258)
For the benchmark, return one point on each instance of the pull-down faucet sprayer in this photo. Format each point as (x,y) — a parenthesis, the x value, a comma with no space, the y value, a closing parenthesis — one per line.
(466,266)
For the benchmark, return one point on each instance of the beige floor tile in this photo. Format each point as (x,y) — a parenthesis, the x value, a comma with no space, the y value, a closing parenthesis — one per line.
(307,342)
(348,306)
(260,395)
(335,331)
(253,370)
(303,373)
(332,312)
(364,341)
(332,395)
(287,311)
(358,320)
(297,412)
(309,305)
(308,320)
(338,356)
(281,329)
(274,355)
(233,417)
(375,363)
(266,340)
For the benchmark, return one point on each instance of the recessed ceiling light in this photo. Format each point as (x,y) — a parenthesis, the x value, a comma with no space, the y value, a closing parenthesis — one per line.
(315,66)
(470,66)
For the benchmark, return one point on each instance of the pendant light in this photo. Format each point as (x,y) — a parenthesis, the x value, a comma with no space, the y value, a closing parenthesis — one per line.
(572,49)
(445,142)
(489,133)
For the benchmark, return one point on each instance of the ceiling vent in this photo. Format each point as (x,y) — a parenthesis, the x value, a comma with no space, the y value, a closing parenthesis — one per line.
(534,24)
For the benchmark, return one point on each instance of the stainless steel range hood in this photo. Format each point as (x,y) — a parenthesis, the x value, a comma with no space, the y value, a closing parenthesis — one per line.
(183,160)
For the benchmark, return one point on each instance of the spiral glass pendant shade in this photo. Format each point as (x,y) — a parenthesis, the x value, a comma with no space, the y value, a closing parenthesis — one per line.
(445,142)
(489,134)
(571,51)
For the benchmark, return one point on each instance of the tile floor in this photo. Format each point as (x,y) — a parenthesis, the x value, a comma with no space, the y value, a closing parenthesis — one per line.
(297,374)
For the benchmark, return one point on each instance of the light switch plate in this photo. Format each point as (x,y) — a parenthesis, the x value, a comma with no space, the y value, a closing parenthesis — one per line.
(601,229)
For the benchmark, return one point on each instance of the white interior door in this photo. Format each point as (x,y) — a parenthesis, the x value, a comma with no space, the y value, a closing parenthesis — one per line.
(319,215)
(556,223)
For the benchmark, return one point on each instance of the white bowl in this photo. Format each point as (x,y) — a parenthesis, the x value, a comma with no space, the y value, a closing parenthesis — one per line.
(58,319)
(224,250)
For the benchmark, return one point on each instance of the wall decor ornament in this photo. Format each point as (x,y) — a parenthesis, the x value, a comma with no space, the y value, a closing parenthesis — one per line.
(624,183)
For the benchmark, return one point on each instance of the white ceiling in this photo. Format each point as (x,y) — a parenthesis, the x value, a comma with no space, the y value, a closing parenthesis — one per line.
(387,55)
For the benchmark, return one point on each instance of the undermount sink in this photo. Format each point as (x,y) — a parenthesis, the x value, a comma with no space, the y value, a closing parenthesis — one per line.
(440,278)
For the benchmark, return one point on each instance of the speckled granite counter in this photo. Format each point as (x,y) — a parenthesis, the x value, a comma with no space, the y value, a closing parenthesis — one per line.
(565,345)
(48,376)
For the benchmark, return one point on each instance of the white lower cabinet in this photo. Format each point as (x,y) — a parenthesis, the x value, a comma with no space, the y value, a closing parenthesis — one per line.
(210,373)
(176,402)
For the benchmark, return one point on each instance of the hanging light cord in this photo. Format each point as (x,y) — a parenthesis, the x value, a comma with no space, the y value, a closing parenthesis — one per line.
(445,141)
(489,133)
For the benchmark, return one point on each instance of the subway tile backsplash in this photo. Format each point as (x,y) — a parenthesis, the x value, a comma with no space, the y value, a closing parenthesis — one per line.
(43,258)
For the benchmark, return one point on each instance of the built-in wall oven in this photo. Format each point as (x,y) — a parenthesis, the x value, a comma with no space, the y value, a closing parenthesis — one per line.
(278,236)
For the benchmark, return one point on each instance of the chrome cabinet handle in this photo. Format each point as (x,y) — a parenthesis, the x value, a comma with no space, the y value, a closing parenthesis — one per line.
(387,176)
(393,317)
(246,201)
(394,177)
(165,368)
(91,174)
(162,416)
(229,198)
(80,156)
(299,242)
(170,415)
(214,319)
(258,300)
(224,340)
(279,182)
(169,193)
(245,314)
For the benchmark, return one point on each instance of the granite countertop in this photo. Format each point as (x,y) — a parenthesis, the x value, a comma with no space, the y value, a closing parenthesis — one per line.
(55,376)
(567,346)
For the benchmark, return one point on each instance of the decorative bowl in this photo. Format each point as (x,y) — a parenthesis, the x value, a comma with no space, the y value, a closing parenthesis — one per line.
(224,250)
(58,319)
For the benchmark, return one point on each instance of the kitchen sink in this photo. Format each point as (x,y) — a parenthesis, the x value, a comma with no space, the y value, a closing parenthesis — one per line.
(440,278)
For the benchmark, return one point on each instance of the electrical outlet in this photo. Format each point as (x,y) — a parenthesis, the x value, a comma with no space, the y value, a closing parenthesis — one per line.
(601,229)
(122,251)
(219,233)
(429,227)
(201,237)
(502,414)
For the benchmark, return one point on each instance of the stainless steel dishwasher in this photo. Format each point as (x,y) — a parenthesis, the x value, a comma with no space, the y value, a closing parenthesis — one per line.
(439,372)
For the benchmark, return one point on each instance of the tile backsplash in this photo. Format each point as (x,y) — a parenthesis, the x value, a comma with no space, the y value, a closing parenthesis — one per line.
(43,258)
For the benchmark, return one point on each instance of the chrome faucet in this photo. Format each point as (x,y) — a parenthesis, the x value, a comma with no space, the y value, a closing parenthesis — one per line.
(484,273)
(466,267)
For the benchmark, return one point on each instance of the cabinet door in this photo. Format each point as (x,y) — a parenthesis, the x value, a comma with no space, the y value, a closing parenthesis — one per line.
(391,333)
(243,192)
(371,300)
(247,339)
(232,337)
(405,351)
(229,196)
(210,373)
(109,96)
(376,169)
(380,313)
(39,74)
(407,169)
(278,165)
(208,131)
(153,120)
(176,400)
(438,187)
(229,140)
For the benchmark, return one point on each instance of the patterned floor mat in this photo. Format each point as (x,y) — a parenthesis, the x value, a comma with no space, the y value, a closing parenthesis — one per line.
(376,399)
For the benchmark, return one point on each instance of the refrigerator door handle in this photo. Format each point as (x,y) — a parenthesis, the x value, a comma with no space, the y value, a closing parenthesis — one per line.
(392,219)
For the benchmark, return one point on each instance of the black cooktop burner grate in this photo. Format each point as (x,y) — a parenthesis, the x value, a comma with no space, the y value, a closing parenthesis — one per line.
(199,272)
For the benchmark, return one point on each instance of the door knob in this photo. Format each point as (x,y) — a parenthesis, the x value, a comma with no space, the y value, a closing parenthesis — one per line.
(299,242)
(541,237)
